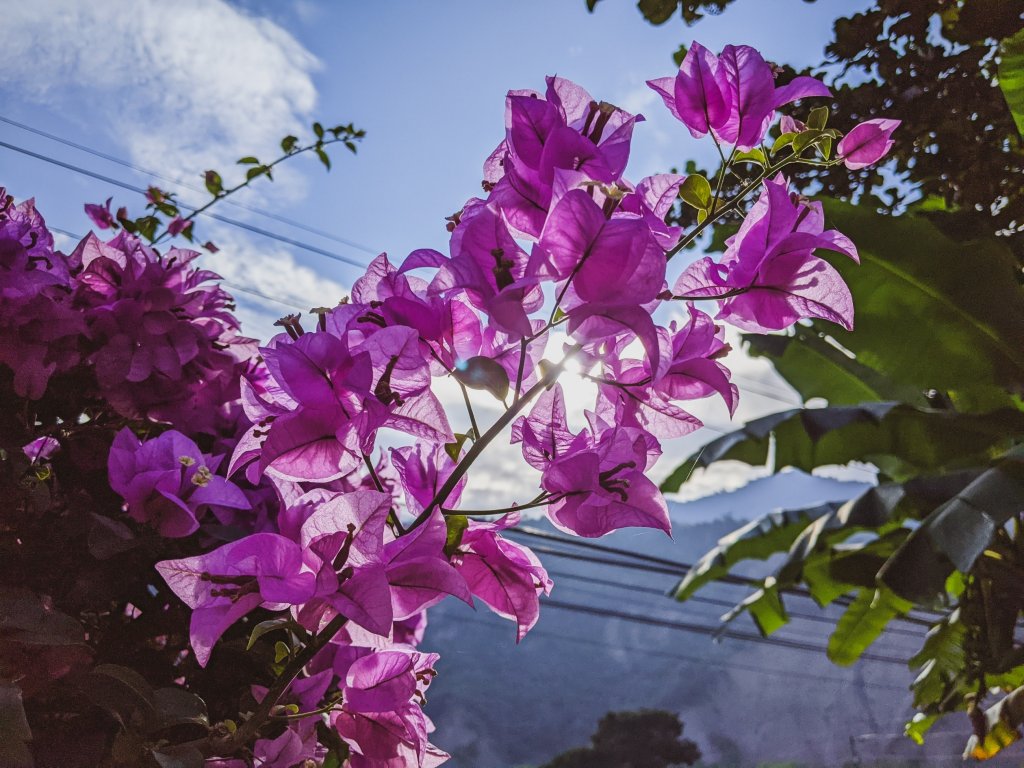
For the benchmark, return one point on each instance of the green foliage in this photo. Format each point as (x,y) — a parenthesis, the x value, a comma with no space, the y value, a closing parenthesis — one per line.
(916,285)
(901,439)
(928,387)
(862,623)
(1011,76)
(661,11)
(758,540)
(817,367)
(957,533)
(456,527)
(696,191)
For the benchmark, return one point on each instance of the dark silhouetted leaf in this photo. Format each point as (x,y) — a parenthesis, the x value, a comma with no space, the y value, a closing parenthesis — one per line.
(483,373)
(15,732)
(176,706)
(272,625)
(183,756)
(816,368)
(900,439)
(24,619)
(955,534)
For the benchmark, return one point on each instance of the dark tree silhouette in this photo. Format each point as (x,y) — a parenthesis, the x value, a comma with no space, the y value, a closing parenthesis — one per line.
(646,738)
(933,65)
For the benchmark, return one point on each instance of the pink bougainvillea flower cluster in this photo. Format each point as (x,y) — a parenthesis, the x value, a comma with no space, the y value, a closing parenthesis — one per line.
(269,463)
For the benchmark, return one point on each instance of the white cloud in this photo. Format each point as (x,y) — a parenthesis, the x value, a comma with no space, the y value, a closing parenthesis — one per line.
(181,87)
(186,85)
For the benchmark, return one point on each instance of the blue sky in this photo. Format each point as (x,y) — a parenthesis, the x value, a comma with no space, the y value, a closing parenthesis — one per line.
(184,86)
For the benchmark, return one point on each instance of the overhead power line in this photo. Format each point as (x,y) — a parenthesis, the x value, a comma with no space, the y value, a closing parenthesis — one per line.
(700,629)
(541,631)
(652,564)
(146,172)
(701,599)
(773,393)
(217,217)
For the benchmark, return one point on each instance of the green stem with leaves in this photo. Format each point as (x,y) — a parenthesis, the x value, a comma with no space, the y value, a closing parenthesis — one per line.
(259,170)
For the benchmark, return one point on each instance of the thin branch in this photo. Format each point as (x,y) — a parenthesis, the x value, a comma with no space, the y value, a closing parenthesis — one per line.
(523,347)
(733,204)
(266,172)
(503,421)
(392,517)
(541,501)
(247,730)
(469,409)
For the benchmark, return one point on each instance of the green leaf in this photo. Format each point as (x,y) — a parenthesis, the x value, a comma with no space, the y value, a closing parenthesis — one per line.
(272,625)
(864,620)
(901,439)
(804,139)
(696,191)
(765,608)
(956,533)
(176,706)
(658,11)
(252,173)
(318,130)
(248,160)
(214,183)
(288,144)
(817,368)
(755,155)
(147,226)
(323,158)
(758,539)
(454,450)
(941,661)
(457,525)
(1011,76)
(918,726)
(871,510)
(916,285)
(483,373)
(783,141)
(818,118)
(281,651)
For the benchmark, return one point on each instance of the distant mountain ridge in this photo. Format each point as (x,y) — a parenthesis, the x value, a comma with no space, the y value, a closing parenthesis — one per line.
(498,705)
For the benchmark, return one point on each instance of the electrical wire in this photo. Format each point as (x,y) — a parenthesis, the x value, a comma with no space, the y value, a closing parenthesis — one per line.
(215,216)
(701,599)
(662,565)
(252,228)
(762,670)
(700,629)
(146,172)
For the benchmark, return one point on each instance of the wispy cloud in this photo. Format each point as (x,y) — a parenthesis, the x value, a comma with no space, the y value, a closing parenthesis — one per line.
(183,85)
